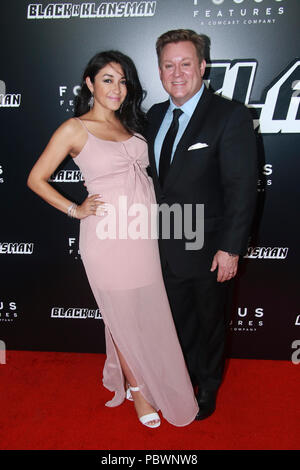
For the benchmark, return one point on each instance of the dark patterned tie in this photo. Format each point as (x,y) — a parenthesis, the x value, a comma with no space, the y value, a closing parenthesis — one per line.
(167,146)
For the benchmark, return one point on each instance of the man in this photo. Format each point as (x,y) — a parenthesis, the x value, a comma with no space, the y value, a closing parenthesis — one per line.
(203,154)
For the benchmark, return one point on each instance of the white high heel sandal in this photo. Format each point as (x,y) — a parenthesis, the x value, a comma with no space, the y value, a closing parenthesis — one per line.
(128,394)
(145,419)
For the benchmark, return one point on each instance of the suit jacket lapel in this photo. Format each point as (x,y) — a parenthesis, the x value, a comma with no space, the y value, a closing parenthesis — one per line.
(191,130)
(152,132)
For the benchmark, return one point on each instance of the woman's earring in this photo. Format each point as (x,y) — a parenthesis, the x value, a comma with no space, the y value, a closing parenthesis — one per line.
(91,101)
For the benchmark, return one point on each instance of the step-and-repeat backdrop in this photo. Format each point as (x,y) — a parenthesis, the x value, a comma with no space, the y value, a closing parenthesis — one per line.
(45,299)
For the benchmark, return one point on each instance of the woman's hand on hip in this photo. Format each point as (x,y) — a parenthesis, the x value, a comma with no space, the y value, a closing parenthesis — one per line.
(91,206)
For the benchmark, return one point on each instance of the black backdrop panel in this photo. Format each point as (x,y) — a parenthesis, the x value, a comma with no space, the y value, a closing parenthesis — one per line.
(45,300)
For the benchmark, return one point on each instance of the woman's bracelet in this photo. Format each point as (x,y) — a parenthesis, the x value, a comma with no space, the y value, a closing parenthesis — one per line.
(72,210)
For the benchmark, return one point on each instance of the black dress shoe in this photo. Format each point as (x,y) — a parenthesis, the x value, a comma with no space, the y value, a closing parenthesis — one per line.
(207,403)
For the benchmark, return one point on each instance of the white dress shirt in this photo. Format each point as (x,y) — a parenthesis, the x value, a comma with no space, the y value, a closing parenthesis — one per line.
(188,108)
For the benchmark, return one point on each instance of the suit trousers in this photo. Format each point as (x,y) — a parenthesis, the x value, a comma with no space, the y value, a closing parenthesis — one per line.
(201,315)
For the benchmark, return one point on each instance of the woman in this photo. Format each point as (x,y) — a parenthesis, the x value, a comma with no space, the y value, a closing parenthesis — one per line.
(124,271)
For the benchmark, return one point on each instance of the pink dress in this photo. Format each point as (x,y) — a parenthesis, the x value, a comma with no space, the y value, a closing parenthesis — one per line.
(125,276)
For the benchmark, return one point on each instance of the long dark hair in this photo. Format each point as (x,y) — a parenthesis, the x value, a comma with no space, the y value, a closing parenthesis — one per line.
(130,113)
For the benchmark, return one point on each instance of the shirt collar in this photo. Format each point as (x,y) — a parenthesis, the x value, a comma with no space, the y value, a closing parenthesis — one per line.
(189,106)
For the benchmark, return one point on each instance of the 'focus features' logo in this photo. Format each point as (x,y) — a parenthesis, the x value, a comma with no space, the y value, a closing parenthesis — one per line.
(8,311)
(237,2)
(247,320)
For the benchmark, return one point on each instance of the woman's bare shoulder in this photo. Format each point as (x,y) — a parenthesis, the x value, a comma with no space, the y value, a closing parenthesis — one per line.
(70,126)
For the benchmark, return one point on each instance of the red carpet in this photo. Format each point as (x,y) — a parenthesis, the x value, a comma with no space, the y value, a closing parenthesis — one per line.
(56,401)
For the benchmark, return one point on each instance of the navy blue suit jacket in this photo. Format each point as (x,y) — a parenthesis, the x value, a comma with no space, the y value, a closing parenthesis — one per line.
(222,176)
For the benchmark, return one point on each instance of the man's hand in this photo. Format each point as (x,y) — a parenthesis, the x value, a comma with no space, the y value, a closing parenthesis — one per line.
(227,265)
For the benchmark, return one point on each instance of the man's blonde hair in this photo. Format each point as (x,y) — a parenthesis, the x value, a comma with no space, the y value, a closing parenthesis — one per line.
(179,35)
